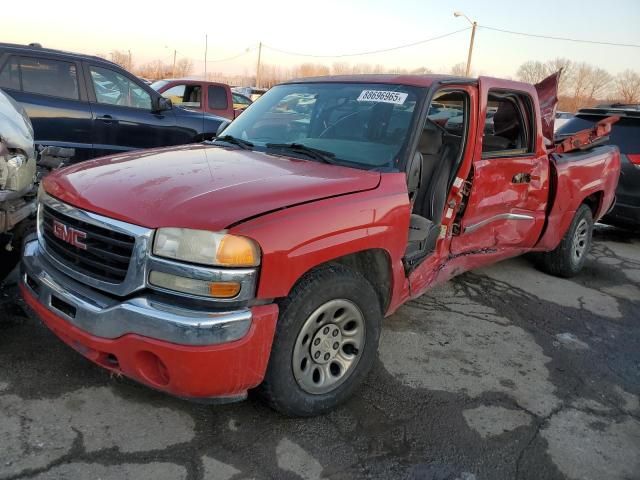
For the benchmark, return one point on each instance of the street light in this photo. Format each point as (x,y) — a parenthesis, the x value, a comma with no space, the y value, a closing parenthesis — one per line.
(473,34)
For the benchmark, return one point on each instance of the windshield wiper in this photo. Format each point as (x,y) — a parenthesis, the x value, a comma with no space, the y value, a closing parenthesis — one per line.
(315,153)
(244,144)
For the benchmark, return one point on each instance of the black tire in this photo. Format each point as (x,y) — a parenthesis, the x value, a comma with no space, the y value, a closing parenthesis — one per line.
(563,261)
(334,282)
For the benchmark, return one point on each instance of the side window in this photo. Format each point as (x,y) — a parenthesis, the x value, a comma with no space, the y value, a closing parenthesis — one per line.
(10,75)
(509,127)
(49,77)
(240,100)
(184,95)
(217,98)
(113,88)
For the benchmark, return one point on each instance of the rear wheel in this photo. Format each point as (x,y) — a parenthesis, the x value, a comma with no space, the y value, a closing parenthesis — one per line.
(568,258)
(325,342)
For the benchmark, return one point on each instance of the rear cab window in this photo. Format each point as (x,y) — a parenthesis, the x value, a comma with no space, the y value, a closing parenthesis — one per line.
(509,128)
(218,97)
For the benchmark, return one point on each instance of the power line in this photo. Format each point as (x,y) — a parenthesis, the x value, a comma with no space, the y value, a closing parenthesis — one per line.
(227,59)
(298,54)
(566,39)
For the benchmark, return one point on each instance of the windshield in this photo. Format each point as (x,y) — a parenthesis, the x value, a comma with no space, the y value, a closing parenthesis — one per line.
(359,125)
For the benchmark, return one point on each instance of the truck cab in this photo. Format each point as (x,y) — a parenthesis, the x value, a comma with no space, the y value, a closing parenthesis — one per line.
(211,97)
(267,258)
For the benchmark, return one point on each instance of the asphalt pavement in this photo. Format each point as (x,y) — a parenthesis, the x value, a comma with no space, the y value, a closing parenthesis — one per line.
(501,373)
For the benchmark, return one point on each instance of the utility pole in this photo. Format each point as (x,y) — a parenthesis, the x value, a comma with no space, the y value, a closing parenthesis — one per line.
(173,72)
(258,67)
(473,35)
(474,25)
(206,43)
(130,64)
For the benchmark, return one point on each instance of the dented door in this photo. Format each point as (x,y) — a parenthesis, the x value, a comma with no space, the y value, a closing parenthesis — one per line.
(505,209)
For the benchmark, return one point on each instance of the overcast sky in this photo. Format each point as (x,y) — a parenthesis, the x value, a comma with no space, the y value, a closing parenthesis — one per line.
(330,27)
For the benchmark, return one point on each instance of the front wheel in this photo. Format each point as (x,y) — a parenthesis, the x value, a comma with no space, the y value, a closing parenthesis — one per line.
(568,258)
(325,343)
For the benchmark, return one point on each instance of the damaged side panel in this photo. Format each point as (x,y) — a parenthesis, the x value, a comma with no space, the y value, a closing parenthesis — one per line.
(17,165)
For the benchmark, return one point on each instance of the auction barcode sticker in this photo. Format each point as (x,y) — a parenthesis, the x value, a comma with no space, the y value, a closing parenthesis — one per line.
(384,96)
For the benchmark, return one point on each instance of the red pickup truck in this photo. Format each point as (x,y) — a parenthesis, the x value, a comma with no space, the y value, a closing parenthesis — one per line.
(268,258)
(210,97)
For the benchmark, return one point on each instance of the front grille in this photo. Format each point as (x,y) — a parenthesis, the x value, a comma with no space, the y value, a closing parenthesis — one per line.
(107,255)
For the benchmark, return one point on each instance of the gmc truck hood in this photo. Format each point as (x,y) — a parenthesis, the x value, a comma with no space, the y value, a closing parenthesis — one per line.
(199,186)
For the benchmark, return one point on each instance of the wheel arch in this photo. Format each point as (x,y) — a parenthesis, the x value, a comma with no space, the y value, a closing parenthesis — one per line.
(594,202)
(374,264)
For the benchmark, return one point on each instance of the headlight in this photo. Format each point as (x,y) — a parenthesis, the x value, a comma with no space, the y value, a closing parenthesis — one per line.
(192,286)
(206,248)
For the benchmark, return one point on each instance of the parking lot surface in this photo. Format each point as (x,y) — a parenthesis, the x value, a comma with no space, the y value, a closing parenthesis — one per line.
(501,373)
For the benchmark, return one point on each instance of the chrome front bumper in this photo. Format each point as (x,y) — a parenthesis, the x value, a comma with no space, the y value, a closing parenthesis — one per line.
(106,317)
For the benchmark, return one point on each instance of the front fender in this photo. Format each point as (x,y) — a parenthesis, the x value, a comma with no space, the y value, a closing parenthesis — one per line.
(297,239)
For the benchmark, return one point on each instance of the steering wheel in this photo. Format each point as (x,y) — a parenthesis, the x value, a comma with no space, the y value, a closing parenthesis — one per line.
(346,117)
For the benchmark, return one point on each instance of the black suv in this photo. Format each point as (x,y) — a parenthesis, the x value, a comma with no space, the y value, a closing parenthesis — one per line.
(94,106)
(626,135)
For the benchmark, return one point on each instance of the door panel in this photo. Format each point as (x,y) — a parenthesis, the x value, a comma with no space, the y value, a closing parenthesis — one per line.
(506,208)
(122,116)
(59,122)
(52,93)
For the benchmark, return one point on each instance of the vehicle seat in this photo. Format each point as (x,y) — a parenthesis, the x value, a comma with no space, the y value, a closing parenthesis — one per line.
(194,96)
(506,130)
(429,146)
(439,162)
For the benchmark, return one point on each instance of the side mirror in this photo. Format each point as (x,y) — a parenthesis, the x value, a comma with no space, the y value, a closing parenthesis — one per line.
(161,104)
(221,127)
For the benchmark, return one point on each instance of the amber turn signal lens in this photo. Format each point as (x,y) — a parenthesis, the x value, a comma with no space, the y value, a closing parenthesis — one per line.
(224,289)
(237,252)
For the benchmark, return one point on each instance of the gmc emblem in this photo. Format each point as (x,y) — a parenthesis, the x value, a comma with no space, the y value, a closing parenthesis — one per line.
(69,235)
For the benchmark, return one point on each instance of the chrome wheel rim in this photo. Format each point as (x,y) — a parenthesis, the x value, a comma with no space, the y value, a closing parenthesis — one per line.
(329,346)
(580,240)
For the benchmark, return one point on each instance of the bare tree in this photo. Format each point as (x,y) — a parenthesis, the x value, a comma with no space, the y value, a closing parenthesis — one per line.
(184,66)
(311,70)
(566,78)
(532,71)
(598,83)
(459,69)
(154,70)
(580,83)
(627,87)
(341,68)
(421,71)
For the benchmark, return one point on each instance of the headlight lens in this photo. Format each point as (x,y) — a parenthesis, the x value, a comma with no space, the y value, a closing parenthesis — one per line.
(206,248)
(194,287)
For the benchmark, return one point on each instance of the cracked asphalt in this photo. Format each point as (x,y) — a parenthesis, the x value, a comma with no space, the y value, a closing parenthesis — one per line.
(502,373)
